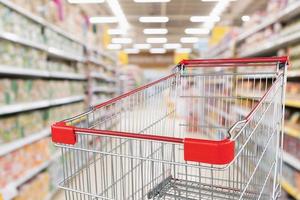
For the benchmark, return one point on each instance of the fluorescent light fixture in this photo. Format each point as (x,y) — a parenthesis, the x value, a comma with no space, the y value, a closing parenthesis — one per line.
(158,50)
(216,11)
(215,0)
(121,40)
(155,31)
(189,39)
(184,50)
(172,45)
(155,19)
(245,18)
(157,40)
(103,20)
(118,12)
(85,1)
(196,31)
(142,46)
(132,51)
(116,31)
(152,1)
(114,46)
(204,18)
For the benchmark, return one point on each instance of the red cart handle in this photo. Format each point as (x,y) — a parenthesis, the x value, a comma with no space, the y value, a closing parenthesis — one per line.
(282,59)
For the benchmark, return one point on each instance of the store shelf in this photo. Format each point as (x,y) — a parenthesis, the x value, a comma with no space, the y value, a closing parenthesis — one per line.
(291,190)
(22,107)
(293,73)
(292,103)
(38,20)
(292,131)
(17,39)
(12,146)
(217,50)
(291,160)
(101,76)
(284,15)
(103,89)
(67,75)
(95,61)
(10,191)
(272,45)
(54,52)
(24,72)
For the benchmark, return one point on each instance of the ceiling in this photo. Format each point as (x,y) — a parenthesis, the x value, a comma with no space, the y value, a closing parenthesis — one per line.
(179,13)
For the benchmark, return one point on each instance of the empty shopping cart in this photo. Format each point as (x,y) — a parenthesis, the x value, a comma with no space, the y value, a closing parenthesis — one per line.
(210,130)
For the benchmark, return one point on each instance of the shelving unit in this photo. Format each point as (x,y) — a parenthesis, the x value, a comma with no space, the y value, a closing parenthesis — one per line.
(11,190)
(75,60)
(22,107)
(270,46)
(290,189)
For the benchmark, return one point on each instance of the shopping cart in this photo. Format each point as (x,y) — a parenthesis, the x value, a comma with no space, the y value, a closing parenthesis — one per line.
(210,130)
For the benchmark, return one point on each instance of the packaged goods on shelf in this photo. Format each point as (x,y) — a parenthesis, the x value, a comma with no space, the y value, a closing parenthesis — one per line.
(291,176)
(21,125)
(61,66)
(56,40)
(13,22)
(27,90)
(37,188)
(291,145)
(16,164)
(61,112)
(293,90)
(16,55)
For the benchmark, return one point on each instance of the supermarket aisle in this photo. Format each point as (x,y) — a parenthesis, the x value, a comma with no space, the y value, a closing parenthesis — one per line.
(60,57)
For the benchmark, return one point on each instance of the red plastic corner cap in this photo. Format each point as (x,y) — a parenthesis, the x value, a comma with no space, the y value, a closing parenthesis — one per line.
(61,133)
(208,151)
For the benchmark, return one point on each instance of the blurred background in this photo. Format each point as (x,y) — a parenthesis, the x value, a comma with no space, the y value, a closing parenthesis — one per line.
(59,57)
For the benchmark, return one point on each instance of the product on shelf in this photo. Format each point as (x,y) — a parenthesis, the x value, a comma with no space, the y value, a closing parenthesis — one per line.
(17,55)
(15,91)
(15,165)
(291,176)
(37,188)
(13,22)
(21,125)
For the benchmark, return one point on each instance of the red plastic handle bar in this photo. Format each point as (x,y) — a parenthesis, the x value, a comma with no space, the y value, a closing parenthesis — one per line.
(282,59)
(198,150)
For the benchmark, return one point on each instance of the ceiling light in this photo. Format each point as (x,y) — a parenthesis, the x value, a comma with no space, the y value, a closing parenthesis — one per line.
(118,12)
(172,45)
(184,50)
(155,31)
(215,0)
(245,18)
(196,31)
(114,46)
(102,20)
(116,31)
(204,18)
(216,11)
(156,40)
(152,1)
(121,40)
(142,46)
(132,51)
(157,50)
(85,1)
(156,19)
(189,39)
